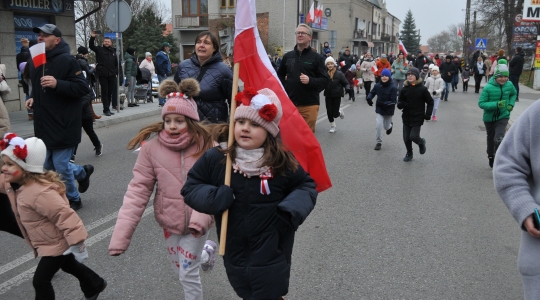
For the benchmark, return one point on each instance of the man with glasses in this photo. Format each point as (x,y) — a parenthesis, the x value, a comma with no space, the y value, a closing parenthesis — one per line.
(303,74)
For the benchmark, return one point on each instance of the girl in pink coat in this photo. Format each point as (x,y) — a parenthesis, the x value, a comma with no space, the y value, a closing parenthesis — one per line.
(163,163)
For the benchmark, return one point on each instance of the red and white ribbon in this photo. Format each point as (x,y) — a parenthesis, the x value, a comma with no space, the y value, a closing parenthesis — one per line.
(265,188)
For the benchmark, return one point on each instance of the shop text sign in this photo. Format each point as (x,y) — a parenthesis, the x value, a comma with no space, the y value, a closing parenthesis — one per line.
(50,6)
(531,10)
(537,55)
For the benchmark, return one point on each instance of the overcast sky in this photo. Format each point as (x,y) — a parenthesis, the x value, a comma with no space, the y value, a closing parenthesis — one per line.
(432,16)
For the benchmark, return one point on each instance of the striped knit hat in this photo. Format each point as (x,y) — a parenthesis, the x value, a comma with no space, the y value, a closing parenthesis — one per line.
(262,107)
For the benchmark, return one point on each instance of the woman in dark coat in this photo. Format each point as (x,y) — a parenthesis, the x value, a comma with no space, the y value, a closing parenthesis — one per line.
(215,78)
(333,92)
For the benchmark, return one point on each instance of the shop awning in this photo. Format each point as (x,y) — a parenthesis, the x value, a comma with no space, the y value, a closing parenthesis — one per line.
(367,44)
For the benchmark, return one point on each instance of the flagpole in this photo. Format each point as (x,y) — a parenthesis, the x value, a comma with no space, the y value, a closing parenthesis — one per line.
(228,166)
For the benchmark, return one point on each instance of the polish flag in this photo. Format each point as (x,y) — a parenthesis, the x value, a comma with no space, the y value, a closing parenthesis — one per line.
(459,32)
(311,14)
(318,13)
(374,69)
(256,71)
(402,48)
(38,54)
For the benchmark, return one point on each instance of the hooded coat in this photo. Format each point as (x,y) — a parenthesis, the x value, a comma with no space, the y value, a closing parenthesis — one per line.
(261,228)
(516,64)
(399,69)
(386,93)
(106,58)
(130,67)
(492,93)
(216,86)
(413,99)
(448,67)
(382,64)
(57,112)
(435,84)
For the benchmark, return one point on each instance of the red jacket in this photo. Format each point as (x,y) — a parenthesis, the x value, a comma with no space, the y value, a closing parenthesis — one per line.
(382,64)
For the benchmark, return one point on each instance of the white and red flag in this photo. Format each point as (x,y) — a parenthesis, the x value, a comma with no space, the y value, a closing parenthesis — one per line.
(38,54)
(402,48)
(459,32)
(310,16)
(256,71)
(318,14)
(374,69)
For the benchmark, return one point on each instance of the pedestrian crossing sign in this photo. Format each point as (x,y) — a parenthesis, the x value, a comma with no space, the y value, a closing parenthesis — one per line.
(481,44)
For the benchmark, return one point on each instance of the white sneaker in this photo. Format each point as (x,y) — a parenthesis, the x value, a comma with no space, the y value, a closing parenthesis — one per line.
(341,113)
(332,129)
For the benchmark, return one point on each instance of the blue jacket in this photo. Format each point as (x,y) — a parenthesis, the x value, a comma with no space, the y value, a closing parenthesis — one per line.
(261,228)
(216,86)
(163,64)
(386,93)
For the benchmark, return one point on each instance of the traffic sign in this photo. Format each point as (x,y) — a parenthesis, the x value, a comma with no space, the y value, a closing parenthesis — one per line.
(118,16)
(481,44)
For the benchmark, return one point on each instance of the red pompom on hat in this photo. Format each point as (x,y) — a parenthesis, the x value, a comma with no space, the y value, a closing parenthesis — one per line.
(262,107)
(29,154)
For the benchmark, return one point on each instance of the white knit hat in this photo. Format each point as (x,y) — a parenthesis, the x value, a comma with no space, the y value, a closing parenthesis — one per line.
(435,68)
(262,107)
(29,154)
(329,59)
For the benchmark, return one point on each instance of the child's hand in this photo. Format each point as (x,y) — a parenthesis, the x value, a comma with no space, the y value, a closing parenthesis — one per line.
(501,104)
(79,251)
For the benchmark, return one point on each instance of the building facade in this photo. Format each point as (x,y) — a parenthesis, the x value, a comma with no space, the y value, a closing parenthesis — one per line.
(17,18)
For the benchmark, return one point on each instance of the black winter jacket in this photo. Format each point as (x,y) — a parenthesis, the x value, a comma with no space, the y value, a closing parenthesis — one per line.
(310,63)
(448,67)
(335,86)
(413,100)
(348,59)
(22,56)
(386,93)
(86,100)
(516,64)
(419,62)
(261,228)
(106,58)
(216,86)
(57,112)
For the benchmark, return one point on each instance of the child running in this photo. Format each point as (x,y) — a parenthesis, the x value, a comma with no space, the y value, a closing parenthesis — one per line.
(435,86)
(413,99)
(465,75)
(269,198)
(166,160)
(53,230)
(333,93)
(386,93)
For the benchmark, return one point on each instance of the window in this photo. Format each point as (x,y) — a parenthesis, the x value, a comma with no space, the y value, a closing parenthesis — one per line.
(194,7)
(227,3)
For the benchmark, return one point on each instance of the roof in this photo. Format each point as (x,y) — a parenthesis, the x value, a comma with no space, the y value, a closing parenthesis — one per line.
(375,2)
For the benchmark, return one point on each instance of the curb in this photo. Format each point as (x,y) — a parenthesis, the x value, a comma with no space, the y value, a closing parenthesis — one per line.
(116,120)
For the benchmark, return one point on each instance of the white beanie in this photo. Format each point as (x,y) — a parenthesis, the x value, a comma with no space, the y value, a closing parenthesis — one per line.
(329,59)
(29,154)
(262,107)
(435,68)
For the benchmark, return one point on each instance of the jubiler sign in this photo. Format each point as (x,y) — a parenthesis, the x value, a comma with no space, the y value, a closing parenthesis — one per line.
(531,11)
(52,6)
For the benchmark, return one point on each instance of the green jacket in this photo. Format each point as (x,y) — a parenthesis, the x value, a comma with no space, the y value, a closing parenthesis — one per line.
(396,73)
(492,93)
(130,67)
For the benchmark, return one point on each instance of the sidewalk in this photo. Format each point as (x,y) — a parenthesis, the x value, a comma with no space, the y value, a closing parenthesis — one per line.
(25,128)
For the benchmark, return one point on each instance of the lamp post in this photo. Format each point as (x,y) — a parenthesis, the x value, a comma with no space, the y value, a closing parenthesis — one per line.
(466,34)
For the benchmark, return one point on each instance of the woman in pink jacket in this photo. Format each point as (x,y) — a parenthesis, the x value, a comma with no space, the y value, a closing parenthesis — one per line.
(52,229)
(166,160)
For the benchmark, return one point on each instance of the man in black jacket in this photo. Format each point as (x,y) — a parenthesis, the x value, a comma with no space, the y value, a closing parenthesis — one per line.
(107,72)
(448,70)
(303,74)
(516,68)
(56,101)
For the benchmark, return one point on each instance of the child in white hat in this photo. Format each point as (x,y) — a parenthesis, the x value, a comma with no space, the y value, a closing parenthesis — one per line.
(163,164)
(38,198)
(269,197)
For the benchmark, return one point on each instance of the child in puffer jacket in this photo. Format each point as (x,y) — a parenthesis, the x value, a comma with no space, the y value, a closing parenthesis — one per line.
(165,161)
(465,75)
(435,86)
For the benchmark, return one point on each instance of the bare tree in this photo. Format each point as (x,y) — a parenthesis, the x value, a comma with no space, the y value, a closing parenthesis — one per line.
(446,41)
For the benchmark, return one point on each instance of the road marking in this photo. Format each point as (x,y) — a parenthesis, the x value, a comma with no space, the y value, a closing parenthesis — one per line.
(28,274)
(324,117)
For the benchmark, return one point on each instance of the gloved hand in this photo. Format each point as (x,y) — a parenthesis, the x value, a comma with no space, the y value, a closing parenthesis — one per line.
(434,93)
(427,117)
(501,104)
(79,251)
(400,105)
(509,107)
(370,102)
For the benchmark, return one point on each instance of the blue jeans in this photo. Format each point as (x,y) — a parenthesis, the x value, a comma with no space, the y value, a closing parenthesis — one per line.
(58,160)
(161,78)
(515,80)
(455,80)
(445,92)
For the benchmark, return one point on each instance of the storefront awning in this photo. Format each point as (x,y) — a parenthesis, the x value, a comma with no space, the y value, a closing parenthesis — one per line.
(367,44)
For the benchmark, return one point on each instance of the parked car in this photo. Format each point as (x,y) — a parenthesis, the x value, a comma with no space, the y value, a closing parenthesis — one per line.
(155,85)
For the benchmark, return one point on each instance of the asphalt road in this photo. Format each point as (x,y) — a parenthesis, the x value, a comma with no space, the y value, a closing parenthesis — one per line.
(433,228)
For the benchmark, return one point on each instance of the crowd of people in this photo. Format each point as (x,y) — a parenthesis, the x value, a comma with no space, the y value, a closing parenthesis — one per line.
(182,155)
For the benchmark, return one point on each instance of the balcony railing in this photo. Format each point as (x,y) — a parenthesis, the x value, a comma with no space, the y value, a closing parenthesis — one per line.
(385,37)
(190,21)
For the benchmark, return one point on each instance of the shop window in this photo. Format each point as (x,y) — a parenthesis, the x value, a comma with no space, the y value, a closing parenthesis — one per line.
(24,25)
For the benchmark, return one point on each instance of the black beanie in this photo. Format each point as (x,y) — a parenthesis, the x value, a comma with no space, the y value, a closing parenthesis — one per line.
(131,51)
(82,50)
(448,57)
(415,72)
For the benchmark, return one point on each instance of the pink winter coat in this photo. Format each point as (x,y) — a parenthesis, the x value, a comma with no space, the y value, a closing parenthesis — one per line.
(46,221)
(168,168)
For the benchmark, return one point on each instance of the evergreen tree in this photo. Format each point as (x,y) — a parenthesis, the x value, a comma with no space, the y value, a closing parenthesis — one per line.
(409,35)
